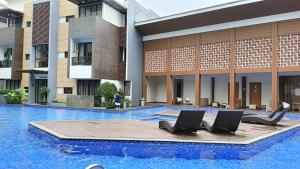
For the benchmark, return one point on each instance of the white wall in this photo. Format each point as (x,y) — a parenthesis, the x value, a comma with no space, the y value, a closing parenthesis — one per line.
(206,87)
(80,72)
(266,82)
(157,89)
(221,88)
(113,16)
(5,73)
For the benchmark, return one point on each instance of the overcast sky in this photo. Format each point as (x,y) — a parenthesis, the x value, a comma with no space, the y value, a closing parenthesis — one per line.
(169,7)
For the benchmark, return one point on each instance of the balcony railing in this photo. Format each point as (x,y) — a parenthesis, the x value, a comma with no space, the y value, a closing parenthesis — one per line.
(5,63)
(41,63)
(84,60)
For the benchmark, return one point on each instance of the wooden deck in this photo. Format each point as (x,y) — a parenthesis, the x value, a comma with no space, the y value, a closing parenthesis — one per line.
(149,131)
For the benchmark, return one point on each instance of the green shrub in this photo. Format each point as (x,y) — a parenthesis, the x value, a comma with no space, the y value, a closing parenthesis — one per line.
(107,90)
(4,91)
(15,96)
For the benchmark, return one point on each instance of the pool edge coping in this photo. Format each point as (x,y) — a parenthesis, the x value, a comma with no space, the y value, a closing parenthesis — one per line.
(246,142)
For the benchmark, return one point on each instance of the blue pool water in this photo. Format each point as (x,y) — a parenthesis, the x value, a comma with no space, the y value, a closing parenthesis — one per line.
(20,148)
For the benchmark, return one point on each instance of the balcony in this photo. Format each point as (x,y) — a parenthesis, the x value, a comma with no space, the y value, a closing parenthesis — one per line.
(41,63)
(83,60)
(5,63)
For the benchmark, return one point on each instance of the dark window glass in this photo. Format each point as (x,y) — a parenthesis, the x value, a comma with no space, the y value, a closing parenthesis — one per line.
(13,84)
(26,89)
(14,22)
(68,90)
(90,10)
(87,87)
(66,54)
(27,56)
(69,17)
(28,24)
(41,55)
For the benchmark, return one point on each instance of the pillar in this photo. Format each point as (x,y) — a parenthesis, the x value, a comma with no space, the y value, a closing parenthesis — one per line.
(232,89)
(198,90)
(170,89)
(145,87)
(274,66)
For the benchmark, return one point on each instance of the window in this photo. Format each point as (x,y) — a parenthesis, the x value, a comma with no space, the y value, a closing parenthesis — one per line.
(69,17)
(27,56)
(83,55)
(66,54)
(87,87)
(13,84)
(28,24)
(68,90)
(14,22)
(41,55)
(90,10)
(26,89)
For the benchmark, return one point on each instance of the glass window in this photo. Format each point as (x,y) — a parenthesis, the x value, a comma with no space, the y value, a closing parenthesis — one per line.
(13,84)
(27,56)
(66,54)
(87,87)
(28,24)
(69,17)
(82,11)
(68,90)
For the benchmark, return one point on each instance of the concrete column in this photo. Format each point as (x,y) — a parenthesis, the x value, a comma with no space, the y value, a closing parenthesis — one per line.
(145,87)
(53,49)
(31,96)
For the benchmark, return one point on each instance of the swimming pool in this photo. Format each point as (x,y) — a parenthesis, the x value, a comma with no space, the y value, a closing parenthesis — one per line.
(21,149)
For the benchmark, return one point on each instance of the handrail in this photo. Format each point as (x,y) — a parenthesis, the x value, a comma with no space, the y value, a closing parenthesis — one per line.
(5,63)
(82,60)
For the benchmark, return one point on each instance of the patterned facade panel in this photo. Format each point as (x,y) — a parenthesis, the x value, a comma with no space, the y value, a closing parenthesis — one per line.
(215,56)
(289,50)
(183,59)
(156,61)
(254,53)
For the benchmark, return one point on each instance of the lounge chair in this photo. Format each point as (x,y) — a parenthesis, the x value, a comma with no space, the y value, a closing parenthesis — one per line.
(270,115)
(226,121)
(270,120)
(188,121)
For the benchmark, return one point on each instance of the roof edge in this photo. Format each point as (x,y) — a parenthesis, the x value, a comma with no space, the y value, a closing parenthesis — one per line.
(198,11)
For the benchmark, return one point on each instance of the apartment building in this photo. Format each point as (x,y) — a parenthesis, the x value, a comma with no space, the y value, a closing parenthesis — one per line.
(73,46)
(246,52)
(11,48)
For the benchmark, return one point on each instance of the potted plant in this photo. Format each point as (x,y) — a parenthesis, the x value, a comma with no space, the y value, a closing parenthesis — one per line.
(44,90)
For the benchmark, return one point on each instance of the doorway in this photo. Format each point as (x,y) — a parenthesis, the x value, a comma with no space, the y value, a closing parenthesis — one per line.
(255,93)
(40,97)
(178,89)
(289,90)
